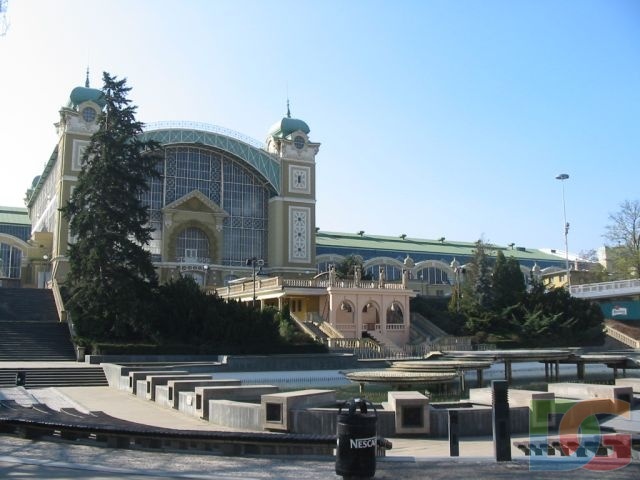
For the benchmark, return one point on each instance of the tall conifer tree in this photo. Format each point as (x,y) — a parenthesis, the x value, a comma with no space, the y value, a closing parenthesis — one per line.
(112,279)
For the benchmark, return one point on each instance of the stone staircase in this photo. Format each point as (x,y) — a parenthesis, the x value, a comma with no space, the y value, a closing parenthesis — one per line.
(27,305)
(30,329)
(35,342)
(55,377)
(386,343)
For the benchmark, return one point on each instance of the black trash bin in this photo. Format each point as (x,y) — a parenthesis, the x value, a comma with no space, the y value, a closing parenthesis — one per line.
(357,439)
(21,378)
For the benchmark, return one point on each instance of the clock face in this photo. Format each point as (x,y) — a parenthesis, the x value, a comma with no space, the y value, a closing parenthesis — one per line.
(299,142)
(299,179)
(88,114)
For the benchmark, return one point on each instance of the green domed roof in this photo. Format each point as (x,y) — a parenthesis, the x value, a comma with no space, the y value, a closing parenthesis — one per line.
(85,94)
(287,126)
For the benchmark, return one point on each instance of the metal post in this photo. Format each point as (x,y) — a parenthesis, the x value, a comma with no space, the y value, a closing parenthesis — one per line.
(501,420)
(562,177)
(454,432)
(253,261)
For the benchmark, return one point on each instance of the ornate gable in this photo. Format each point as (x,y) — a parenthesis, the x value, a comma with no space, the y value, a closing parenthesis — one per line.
(195,201)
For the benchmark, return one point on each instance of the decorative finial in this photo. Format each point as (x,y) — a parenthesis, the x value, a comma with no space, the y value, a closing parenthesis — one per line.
(86,82)
(288,111)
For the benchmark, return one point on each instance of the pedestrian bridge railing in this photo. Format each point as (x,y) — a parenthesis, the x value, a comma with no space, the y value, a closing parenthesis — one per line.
(616,288)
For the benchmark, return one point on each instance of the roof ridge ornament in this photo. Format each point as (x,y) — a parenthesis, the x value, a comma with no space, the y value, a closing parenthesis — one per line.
(86,81)
(288,110)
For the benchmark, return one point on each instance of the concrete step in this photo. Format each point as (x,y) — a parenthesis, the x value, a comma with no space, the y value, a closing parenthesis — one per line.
(54,377)
(27,304)
(33,341)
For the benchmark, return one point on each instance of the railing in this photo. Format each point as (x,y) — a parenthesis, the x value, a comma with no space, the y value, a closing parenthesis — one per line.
(351,343)
(603,289)
(303,326)
(193,260)
(205,127)
(63,315)
(57,296)
(621,337)
(395,327)
(279,282)
(330,330)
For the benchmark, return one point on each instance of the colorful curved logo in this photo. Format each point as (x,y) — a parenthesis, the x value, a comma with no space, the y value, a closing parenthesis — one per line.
(579,442)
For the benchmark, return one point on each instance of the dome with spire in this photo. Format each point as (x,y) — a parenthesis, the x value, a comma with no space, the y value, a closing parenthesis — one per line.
(285,127)
(86,94)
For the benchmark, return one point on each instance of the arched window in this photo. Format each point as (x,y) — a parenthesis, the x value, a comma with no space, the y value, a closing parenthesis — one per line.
(433,276)
(391,273)
(192,246)
(10,259)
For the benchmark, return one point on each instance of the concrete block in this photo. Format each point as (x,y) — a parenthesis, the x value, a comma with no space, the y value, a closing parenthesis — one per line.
(240,415)
(174,387)
(634,383)
(276,407)
(187,403)
(517,398)
(154,380)
(411,412)
(141,389)
(247,393)
(136,375)
(587,391)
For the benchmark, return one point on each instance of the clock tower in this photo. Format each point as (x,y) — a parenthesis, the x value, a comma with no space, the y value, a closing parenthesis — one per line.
(292,213)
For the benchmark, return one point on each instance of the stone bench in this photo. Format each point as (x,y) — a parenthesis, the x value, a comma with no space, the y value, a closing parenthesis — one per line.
(276,407)
(246,393)
(142,374)
(169,395)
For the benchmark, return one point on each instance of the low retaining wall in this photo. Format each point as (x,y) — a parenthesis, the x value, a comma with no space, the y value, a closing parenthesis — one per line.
(233,363)
(227,413)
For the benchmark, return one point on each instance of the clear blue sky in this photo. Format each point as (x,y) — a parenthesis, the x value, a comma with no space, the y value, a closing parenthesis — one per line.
(436,118)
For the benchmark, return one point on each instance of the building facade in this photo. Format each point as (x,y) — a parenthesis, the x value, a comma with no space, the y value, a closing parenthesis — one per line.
(239,216)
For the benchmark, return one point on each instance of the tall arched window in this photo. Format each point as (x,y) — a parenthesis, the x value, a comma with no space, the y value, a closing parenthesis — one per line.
(10,260)
(433,276)
(391,273)
(192,245)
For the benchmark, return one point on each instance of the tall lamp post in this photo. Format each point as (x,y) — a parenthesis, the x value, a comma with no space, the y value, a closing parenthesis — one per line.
(562,177)
(253,262)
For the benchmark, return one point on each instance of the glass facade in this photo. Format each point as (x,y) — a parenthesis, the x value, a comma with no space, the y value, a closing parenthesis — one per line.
(391,273)
(433,276)
(10,259)
(192,245)
(225,180)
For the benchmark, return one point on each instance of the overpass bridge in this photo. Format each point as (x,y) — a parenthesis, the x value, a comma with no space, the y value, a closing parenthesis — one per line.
(620,303)
(604,290)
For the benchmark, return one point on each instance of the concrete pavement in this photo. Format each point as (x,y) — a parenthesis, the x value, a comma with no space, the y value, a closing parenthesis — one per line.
(410,458)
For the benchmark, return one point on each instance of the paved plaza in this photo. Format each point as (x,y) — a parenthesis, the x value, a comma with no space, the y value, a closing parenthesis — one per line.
(424,459)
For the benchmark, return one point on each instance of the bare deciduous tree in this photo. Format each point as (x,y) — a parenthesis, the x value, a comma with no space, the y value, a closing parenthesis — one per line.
(624,233)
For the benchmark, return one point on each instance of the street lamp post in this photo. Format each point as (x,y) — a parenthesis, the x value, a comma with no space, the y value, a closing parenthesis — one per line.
(253,261)
(562,177)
